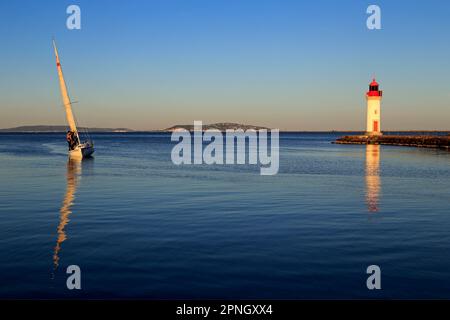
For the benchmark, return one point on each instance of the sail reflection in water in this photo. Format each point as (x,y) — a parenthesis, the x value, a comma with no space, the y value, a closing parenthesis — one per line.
(73,171)
(373,182)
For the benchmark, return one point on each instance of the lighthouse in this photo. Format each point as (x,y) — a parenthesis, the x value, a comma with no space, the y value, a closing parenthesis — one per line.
(373,97)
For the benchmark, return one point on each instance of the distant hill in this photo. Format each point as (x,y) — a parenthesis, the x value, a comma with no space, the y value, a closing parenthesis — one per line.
(215,126)
(60,129)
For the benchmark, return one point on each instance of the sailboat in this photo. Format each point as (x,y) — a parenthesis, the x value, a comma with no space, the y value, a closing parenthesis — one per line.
(76,148)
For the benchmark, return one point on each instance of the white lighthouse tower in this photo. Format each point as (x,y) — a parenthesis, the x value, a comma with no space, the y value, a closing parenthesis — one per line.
(374,109)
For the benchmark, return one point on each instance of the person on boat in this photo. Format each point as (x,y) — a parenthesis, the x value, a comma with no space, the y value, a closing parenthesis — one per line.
(75,140)
(69,139)
(72,140)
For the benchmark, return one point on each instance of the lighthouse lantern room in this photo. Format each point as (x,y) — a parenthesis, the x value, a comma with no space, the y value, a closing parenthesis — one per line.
(373,97)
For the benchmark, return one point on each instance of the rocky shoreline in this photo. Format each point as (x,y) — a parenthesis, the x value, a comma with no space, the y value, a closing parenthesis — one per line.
(425,141)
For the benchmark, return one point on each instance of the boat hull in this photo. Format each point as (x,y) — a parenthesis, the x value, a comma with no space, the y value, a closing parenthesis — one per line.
(84,150)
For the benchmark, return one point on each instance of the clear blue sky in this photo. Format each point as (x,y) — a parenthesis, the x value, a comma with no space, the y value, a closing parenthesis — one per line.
(297,65)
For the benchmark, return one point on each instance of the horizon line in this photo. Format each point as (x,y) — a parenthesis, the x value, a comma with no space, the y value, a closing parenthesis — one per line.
(112,129)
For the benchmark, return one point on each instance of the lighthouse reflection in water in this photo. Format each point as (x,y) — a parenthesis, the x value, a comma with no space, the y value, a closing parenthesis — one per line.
(373,182)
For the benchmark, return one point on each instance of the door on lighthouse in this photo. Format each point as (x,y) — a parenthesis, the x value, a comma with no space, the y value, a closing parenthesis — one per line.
(375,126)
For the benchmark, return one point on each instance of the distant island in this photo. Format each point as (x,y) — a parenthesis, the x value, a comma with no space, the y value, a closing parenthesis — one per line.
(51,129)
(222,126)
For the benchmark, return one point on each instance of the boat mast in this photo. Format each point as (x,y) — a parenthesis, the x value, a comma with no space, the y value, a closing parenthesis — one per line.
(65,95)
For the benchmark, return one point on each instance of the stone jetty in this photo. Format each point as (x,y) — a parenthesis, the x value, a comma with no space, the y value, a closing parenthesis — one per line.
(425,141)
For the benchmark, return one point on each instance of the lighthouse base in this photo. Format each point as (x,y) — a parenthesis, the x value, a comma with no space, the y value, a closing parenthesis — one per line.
(373,133)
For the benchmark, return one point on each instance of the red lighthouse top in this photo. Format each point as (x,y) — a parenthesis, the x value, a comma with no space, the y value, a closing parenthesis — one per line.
(373,89)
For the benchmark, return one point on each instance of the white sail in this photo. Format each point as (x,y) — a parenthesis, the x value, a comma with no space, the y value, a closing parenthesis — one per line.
(65,95)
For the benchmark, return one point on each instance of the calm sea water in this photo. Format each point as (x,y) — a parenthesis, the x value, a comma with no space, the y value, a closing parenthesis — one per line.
(140,227)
